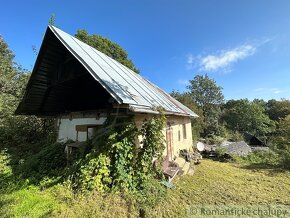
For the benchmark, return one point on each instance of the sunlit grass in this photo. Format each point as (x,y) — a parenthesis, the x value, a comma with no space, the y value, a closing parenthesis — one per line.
(214,183)
(27,202)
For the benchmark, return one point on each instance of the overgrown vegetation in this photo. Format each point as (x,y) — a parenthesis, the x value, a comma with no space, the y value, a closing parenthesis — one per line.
(17,129)
(108,164)
(220,121)
(114,163)
(260,159)
(279,144)
(214,183)
(110,175)
(31,161)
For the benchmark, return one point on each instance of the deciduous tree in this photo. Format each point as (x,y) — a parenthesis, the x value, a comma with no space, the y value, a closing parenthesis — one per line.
(198,124)
(13,79)
(277,110)
(245,116)
(107,47)
(208,96)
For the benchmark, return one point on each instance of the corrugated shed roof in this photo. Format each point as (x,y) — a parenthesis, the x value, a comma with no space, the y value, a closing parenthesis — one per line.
(124,85)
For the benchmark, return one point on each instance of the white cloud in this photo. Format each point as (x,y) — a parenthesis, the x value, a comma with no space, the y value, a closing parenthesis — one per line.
(183,82)
(259,90)
(222,60)
(276,91)
(190,59)
(225,58)
(269,91)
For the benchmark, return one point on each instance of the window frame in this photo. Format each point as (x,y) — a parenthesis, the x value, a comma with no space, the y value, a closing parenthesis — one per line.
(184,131)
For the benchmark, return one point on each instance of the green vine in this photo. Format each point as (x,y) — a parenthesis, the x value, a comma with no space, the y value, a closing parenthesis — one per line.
(122,151)
(153,145)
(95,174)
(115,163)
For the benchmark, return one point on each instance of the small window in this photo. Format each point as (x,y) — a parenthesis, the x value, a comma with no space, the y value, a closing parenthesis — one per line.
(184,130)
(179,135)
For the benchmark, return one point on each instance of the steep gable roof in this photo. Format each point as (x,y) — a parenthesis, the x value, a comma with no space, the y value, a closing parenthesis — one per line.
(124,85)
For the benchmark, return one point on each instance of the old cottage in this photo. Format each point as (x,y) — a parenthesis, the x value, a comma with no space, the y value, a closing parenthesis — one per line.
(81,86)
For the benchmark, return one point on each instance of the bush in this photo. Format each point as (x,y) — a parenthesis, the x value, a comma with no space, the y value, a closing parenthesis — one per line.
(94,174)
(48,162)
(270,158)
(220,152)
(214,139)
(235,136)
(152,193)
(27,130)
(114,163)
(285,160)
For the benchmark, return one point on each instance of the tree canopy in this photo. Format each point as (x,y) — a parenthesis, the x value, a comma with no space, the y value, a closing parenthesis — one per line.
(208,96)
(12,77)
(198,124)
(245,116)
(205,92)
(13,80)
(277,110)
(8,72)
(218,118)
(281,138)
(107,47)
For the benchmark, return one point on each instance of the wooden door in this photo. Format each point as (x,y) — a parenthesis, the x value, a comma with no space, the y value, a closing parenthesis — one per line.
(169,143)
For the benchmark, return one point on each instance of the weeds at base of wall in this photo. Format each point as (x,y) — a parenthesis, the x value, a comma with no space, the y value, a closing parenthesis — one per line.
(108,164)
(115,164)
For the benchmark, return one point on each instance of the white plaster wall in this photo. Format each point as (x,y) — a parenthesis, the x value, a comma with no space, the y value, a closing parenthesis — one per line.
(67,127)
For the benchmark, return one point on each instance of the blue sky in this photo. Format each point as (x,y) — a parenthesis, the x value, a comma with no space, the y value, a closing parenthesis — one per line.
(244,45)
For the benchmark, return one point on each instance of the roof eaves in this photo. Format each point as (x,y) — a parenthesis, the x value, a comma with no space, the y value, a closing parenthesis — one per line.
(144,109)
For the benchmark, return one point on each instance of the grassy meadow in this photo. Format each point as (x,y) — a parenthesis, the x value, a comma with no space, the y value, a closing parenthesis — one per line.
(213,184)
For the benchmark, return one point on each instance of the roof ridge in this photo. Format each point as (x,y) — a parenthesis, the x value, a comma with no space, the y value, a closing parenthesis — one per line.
(124,85)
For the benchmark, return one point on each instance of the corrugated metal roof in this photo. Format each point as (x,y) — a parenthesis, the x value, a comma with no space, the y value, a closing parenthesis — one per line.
(124,85)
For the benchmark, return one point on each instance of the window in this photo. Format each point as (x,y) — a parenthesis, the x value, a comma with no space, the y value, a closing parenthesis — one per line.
(179,135)
(184,130)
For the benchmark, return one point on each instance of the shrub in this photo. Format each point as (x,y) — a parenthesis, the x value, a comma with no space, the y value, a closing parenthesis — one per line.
(285,160)
(115,163)
(263,158)
(16,130)
(48,162)
(152,193)
(214,139)
(236,136)
(152,147)
(220,152)
(94,173)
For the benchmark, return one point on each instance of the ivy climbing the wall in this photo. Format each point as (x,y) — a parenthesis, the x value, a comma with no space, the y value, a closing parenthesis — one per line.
(115,163)
(153,145)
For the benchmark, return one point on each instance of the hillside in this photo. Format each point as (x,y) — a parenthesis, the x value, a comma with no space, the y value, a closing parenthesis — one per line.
(214,183)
